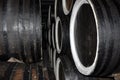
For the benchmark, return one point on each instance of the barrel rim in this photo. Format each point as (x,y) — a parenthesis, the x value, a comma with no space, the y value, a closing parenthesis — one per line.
(81,68)
(58,46)
(64,6)
(53,35)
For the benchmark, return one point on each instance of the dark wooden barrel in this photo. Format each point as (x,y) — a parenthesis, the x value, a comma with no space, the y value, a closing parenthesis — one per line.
(95,36)
(20,30)
(16,71)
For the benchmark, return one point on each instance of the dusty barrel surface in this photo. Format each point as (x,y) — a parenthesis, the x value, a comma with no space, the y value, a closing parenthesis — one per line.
(95,36)
(16,71)
(21,29)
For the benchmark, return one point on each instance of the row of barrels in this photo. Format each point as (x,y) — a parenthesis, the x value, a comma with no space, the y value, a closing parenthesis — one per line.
(18,71)
(87,33)
(20,30)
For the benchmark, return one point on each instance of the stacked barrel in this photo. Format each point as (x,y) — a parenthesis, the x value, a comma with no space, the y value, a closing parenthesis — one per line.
(21,41)
(16,71)
(85,37)
(95,35)
(20,30)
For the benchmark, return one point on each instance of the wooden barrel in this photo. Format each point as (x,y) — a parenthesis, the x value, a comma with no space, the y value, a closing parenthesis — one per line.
(20,30)
(95,36)
(16,71)
(66,70)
